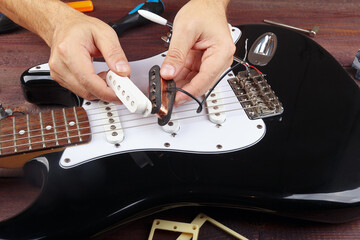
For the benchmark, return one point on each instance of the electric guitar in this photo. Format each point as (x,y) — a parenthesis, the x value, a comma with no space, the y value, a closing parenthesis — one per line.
(280,134)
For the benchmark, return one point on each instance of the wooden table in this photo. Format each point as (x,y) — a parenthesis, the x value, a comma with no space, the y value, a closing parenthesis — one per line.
(339,34)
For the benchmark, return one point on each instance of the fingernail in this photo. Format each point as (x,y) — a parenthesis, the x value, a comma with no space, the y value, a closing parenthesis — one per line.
(167,70)
(122,66)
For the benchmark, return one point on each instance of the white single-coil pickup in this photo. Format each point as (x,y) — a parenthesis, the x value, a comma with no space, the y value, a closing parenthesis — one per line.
(172,126)
(130,95)
(112,125)
(215,107)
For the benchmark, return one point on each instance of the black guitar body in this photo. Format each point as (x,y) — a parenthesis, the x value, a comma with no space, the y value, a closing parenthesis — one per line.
(307,165)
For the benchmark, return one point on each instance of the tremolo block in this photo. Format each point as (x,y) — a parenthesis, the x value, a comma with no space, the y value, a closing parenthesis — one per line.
(162,95)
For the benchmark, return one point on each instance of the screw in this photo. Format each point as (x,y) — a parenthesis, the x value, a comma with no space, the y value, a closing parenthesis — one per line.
(312,32)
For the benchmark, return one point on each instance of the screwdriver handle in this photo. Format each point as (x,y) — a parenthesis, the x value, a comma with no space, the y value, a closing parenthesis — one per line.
(133,18)
(82,6)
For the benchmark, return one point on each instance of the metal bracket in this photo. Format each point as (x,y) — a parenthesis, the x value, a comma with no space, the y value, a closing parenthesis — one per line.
(201,219)
(4,113)
(190,229)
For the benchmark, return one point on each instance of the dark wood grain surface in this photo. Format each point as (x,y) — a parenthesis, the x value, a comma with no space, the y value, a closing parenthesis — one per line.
(339,34)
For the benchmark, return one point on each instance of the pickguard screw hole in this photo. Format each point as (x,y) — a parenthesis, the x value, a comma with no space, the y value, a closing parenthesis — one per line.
(167,144)
(219,146)
(67,160)
(259,126)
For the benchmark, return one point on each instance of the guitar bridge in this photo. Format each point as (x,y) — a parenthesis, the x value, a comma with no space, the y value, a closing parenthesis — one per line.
(255,95)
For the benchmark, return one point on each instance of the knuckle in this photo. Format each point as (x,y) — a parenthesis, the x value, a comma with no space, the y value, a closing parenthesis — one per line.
(232,49)
(87,95)
(83,81)
(176,54)
(61,48)
(53,65)
(114,53)
(54,76)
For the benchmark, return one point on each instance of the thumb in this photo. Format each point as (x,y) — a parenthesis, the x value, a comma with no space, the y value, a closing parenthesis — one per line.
(175,57)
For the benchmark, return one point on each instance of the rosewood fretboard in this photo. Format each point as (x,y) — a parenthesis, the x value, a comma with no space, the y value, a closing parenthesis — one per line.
(41,131)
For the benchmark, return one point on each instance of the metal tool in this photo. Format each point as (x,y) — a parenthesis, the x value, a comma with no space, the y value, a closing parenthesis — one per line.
(312,32)
(4,113)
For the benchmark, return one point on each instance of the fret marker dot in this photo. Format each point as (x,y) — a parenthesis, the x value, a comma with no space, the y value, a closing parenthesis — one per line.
(21,132)
(71,123)
(48,127)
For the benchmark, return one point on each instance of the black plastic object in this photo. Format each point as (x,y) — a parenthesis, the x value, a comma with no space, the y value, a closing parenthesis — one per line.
(6,25)
(133,18)
(161,97)
(39,88)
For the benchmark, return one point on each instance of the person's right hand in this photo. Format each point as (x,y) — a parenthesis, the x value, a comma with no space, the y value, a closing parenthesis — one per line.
(73,45)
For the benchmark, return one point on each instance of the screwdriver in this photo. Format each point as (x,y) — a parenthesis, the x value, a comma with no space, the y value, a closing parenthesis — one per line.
(134,19)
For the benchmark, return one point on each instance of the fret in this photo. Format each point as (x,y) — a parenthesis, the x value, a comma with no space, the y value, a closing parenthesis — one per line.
(42,130)
(14,134)
(77,123)
(28,130)
(66,126)
(55,130)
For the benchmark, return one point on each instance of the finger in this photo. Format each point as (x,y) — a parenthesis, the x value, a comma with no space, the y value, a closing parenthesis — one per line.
(179,48)
(83,70)
(182,75)
(109,45)
(213,65)
(71,83)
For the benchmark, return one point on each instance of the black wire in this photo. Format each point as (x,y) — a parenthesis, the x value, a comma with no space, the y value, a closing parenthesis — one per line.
(187,93)
(211,89)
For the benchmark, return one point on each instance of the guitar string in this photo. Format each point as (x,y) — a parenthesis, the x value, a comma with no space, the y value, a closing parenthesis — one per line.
(239,62)
(77,136)
(192,103)
(130,120)
(123,115)
(100,119)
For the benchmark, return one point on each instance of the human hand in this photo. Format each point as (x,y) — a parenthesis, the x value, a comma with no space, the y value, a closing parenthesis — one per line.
(74,43)
(201,47)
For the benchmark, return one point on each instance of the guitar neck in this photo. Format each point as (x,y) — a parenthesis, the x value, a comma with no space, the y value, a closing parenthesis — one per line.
(43,131)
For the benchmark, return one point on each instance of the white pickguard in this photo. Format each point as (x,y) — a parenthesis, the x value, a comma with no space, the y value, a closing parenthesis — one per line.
(197,134)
